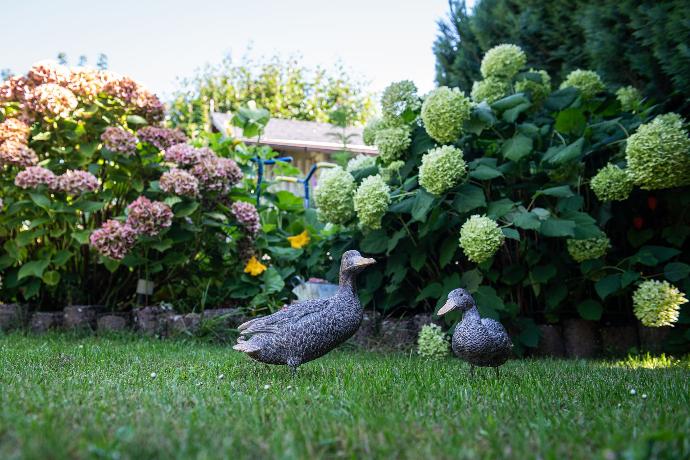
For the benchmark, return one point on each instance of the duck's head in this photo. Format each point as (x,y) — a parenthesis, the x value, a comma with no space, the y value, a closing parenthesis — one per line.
(457,298)
(352,263)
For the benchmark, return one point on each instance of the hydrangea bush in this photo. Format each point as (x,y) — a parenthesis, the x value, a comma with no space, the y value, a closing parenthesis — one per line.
(657,303)
(432,342)
(97,193)
(561,198)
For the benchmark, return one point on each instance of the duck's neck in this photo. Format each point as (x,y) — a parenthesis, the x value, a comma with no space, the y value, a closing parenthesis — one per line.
(348,284)
(471,315)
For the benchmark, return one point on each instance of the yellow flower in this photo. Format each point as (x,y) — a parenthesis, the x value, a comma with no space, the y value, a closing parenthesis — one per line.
(254,267)
(299,241)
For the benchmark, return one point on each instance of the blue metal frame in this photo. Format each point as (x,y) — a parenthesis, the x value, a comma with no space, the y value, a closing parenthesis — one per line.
(260,173)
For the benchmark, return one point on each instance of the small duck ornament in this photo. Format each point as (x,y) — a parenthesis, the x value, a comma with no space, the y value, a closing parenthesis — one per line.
(309,329)
(479,341)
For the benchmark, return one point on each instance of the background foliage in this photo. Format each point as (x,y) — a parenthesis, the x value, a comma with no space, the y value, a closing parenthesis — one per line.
(638,43)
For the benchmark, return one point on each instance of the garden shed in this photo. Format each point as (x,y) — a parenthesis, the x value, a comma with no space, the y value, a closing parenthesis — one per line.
(307,142)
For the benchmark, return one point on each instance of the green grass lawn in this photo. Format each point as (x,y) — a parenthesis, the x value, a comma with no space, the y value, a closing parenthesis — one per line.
(63,396)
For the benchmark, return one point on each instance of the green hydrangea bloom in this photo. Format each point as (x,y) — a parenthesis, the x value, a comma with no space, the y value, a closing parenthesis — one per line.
(588,82)
(630,98)
(490,90)
(432,342)
(361,161)
(400,102)
(390,171)
(480,238)
(589,249)
(503,61)
(443,113)
(370,130)
(371,201)
(538,90)
(333,195)
(392,142)
(658,154)
(442,169)
(657,303)
(611,183)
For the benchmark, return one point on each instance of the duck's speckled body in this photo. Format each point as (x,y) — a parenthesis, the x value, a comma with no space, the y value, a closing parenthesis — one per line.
(479,341)
(307,330)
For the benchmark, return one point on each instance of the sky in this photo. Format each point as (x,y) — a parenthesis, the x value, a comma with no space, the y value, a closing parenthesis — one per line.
(155,42)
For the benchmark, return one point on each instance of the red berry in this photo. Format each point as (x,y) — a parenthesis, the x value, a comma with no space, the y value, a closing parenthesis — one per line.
(651,202)
(638,222)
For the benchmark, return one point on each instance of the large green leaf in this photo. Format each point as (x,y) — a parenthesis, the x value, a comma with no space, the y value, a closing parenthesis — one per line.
(51,278)
(590,309)
(433,290)
(557,228)
(448,250)
(82,236)
(561,191)
(560,99)
(186,209)
(272,281)
(676,271)
(499,208)
(511,115)
(40,199)
(374,242)
(469,197)
(571,121)
(608,285)
(422,203)
(527,220)
(517,147)
(563,154)
(34,268)
(509,102)
(485,172)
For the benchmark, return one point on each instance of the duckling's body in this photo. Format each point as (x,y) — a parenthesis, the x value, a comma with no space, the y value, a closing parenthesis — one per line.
(479,341)
(307,330)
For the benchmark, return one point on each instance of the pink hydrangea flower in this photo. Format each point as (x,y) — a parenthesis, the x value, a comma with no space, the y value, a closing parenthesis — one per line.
(87,82)
(149,106)
(114,239)
(17,153)
(247,215)
(117,139)
(182,154)
(13,129)
(15,89)
(44,72)
(148,217)
(74,182)
(161,138)
(53,100)
(179,182)
(217,174)
(123,88)
(34,176)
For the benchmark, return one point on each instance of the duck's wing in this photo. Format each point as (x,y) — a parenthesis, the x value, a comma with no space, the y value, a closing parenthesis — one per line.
(497,332)
(290,314)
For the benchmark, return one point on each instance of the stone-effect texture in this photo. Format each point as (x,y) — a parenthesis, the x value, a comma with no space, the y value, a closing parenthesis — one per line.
(550,342)
(653,338)
(43,321)
(12,316)
(82,316)
(151,320)
(618,340)
(183,324)
(228,317)
(581,338)
(113,322)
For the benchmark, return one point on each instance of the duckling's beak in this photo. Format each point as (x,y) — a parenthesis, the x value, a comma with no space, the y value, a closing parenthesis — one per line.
(365,262)
(448,306)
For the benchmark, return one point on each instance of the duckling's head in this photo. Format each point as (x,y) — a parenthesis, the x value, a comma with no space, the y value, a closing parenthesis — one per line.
(457,298)
(352,263)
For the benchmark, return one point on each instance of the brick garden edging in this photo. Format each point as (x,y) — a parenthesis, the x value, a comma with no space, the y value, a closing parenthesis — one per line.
(573,339)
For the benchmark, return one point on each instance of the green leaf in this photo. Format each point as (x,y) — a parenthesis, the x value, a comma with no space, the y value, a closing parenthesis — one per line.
(471,280)
(570,121)
(608,285)
(172,200)
(511,115)
(629,277)
(433,290)
(374,242)
(499,208)
(272,281)
(660,253)
(288,201)
(517,147)
(89,206)
(543,273)
(563,154)
(34,268)
(40,199)
(562,191)
(511,233)
(448,250)
(61,257)
(527,220)
(469,197)
(560,99)
(136,120)
(529,335)
(422,203)
(676,271)
(481,117)
(82,237)
(557,228)
(161,246)
(417,259)
(51,278)
(590,309)
(186,209)
(485,172)
(509,102)
(488,300)
(44,136)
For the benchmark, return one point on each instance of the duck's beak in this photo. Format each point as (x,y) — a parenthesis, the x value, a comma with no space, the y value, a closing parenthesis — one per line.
(365,262)
(448,306)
